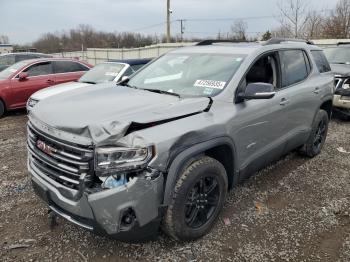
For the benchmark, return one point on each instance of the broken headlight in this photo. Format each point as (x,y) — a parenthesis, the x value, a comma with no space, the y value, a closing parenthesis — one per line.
(122,159)
(31,102)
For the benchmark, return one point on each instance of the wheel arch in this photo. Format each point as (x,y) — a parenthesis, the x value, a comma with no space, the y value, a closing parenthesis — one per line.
(3,101)
(327,106)
(221,149)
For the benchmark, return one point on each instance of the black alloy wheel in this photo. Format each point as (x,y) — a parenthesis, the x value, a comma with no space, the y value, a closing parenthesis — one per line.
(202,201)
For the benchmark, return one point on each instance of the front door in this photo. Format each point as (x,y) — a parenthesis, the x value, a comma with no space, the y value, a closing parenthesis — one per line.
(39,76)
(258,125)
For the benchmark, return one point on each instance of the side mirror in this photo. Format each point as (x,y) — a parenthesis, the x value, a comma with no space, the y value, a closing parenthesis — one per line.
(258,91)
(124,78)
(23,76)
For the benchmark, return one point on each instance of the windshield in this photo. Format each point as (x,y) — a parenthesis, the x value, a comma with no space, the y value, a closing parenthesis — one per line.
(196,74)
(338,55)
(104,72)
(12,69)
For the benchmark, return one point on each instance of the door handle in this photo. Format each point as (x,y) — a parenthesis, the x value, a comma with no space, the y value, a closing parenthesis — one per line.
(50,81)
(284,102)
(317,90)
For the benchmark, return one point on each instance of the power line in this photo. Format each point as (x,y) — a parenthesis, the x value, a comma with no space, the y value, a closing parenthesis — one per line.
(227,19)
(215,19)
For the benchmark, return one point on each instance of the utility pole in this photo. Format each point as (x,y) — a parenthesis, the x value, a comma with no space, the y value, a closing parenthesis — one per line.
(182,28)
(168,11)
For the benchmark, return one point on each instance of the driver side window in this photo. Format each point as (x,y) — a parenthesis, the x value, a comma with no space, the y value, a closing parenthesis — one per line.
(264,70)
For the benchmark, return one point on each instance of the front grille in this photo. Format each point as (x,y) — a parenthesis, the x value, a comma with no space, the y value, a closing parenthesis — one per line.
(68,165)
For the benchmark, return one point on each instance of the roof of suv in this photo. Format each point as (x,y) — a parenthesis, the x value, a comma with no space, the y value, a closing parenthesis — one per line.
(244,47)
(43,59)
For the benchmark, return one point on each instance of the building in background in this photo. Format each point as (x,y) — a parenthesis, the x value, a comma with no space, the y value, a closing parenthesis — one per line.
(6,48)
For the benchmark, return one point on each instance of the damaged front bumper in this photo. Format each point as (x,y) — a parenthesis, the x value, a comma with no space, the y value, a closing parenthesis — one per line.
(341,105)
(341,101)
(130,212)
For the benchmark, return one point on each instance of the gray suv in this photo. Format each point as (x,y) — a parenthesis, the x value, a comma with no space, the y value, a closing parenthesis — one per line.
(161,149)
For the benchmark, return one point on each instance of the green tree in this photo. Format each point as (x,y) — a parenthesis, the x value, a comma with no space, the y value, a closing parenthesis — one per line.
(266,36)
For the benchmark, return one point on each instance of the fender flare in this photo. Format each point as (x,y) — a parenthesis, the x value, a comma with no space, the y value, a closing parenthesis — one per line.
(183,158)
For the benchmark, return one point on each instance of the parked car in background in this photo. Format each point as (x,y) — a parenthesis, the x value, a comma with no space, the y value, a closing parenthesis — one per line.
(7,60)
(339,58)
(19,81)
(166,145)
(114,70)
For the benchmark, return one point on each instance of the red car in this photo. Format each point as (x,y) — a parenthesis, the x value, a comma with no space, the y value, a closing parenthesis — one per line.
(19,81)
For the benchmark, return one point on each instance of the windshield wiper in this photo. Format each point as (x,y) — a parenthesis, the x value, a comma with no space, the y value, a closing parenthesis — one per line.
(341,63)
(88,82)
(161,92)
(126,84)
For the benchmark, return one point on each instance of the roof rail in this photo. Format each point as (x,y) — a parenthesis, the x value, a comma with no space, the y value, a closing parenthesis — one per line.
(274,41)
(343,43)
(210,42)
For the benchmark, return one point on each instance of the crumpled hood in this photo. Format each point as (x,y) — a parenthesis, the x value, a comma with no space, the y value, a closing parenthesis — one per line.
(57,89)
(342,70)
(104,112)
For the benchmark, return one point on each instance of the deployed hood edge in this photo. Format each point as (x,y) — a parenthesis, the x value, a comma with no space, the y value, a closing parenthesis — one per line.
(135,126)
(107,138)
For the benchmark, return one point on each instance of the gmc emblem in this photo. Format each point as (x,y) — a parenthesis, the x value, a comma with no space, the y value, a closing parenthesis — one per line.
(45,148)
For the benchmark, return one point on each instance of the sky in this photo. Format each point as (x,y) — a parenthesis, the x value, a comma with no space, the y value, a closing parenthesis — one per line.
(23,21)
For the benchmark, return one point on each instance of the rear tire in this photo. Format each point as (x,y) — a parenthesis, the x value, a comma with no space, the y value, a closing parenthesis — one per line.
(2,109)
(198,198)
(318,135)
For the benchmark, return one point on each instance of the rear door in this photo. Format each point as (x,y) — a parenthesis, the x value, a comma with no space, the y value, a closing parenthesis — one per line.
(67,71)
(297,96)
(39,77)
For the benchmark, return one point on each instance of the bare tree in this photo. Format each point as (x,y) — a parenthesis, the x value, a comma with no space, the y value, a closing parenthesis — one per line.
(337,25)
(293,16)
(86,36)
(4,39)
(239,30)
(314,25)
(282,31)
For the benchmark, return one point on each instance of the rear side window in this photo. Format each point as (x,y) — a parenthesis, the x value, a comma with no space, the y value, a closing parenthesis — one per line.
(39,69)
(321,61)
(295,67)
(68,67)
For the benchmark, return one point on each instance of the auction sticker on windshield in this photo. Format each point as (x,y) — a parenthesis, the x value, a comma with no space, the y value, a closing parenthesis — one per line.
(210,83)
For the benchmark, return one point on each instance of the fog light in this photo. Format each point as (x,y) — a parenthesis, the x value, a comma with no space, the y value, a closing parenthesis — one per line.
(114,181)
(128,218)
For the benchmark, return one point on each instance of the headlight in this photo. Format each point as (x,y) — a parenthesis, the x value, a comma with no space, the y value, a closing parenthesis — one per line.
(32,102)
(121,159)
(346,86)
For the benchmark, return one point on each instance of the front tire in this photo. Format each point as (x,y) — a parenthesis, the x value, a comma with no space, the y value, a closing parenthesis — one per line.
(318,135)
(199,196)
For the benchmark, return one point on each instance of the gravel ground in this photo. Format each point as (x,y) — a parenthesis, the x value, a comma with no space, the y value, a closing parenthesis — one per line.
(295,210)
